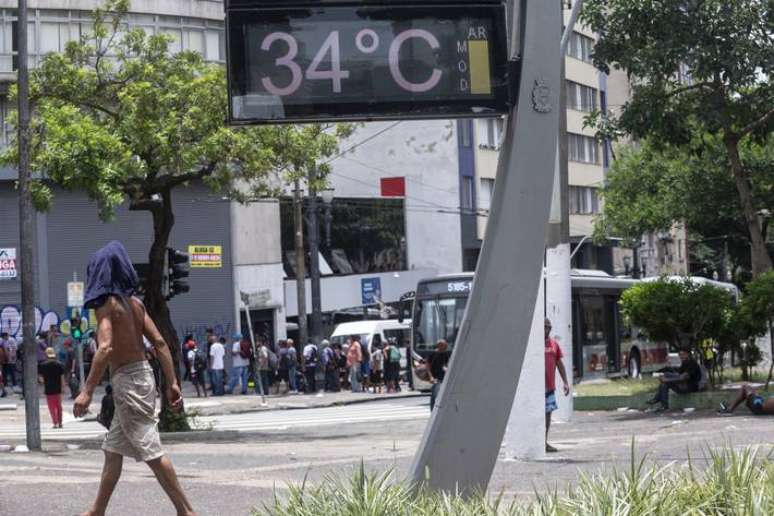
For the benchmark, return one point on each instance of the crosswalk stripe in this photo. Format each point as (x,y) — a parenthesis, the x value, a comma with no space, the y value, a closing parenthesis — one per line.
(256,420)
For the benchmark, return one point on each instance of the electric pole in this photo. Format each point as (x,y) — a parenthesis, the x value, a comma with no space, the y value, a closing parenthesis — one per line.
(298,222)
(31,401)
(314,262)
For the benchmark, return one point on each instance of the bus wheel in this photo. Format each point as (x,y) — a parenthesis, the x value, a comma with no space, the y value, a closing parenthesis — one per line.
(634,365)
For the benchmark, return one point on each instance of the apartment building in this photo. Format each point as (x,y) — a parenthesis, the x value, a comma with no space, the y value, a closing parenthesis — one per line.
(587,89)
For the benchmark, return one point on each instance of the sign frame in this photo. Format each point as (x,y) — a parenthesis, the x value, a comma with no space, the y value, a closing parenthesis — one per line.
(8,255)
(503,70)
(205,256)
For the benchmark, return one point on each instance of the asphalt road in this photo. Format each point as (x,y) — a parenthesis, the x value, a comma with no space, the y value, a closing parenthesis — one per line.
(272,449)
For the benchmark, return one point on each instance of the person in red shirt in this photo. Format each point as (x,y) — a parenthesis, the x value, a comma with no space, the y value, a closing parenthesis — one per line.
(553,362)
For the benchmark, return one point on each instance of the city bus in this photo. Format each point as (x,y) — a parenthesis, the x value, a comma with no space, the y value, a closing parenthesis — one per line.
(602,343)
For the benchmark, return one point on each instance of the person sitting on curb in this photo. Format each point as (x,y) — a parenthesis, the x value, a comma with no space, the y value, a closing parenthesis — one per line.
(684,381)
(757,404)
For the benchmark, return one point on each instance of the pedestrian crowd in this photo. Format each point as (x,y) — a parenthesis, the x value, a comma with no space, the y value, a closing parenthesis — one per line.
(218,367)
(58,365)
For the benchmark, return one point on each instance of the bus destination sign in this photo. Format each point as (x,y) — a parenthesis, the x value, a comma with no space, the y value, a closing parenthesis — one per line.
(303,62)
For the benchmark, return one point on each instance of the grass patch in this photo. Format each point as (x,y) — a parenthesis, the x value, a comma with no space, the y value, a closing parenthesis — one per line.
(733,483)
(621,387)
(648,384)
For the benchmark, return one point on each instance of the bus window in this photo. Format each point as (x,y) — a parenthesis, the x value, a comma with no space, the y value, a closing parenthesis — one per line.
(437,319)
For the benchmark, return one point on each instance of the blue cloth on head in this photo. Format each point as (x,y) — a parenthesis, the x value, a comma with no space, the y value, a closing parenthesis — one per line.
(110,271)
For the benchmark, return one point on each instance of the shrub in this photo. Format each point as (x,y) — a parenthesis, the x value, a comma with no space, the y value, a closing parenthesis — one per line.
(734,483)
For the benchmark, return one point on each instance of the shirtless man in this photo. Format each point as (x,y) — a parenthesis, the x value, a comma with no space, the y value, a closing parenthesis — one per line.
(122,322)
(757,404)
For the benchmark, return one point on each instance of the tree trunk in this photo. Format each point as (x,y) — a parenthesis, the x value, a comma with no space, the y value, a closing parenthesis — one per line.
(156,304)
(761,261)
(771,357)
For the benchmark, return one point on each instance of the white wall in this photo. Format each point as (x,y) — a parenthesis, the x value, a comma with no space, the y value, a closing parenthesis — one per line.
(426,154)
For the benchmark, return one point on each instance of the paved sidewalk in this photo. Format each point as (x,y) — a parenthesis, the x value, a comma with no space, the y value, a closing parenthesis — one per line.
(12,406)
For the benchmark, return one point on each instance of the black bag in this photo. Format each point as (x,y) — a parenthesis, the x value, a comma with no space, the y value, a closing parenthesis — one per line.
(200,362)
(108,408)
(75,386)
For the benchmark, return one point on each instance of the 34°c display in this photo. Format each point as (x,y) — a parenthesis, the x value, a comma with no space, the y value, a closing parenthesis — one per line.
(321,62)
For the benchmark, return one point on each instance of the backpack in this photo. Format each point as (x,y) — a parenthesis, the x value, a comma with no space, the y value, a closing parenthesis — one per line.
(200,362)
(272,359)
(331,364)
(313,356)
(394,354)
(245,350)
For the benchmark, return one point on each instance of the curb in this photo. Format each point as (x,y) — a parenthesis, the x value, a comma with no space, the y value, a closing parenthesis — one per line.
(340,403)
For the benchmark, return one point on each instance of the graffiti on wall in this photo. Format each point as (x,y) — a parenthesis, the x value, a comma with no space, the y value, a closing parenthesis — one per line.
(199,330)
(11,320)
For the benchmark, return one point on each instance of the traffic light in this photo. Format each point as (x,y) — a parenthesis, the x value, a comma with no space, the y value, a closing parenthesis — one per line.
(143,272)
(75,328)
(177,270)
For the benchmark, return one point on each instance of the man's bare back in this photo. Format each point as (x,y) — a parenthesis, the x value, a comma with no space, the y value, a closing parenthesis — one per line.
(127,318)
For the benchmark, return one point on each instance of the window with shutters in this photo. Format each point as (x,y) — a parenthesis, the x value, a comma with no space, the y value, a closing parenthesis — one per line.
(580,47)
(582,148)
(583,200)
(580,97)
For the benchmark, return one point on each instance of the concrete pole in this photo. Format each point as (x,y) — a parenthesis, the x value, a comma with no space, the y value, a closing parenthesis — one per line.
(559,310)
(558,289)
(462,441)
(525,434)
(26,236)
(298,221)
(314,266)
(256,373)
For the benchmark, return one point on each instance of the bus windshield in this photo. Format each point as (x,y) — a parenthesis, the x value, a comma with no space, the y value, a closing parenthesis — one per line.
(437,319)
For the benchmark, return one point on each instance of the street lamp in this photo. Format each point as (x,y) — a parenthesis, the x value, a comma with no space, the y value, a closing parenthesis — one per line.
(314,251)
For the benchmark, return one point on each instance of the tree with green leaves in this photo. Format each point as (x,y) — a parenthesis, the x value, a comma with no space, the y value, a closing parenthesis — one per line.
(120,117)
(696,67)
(757,308)
(651,187)
(679,312)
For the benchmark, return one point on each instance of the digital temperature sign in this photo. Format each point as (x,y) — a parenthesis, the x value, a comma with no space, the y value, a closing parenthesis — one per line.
(297,62)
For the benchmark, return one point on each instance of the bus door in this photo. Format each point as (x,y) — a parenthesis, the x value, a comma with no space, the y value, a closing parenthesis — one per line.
(577,338)
(611,334)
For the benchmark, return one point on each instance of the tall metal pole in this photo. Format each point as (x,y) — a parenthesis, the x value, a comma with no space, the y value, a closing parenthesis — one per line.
(461,443)
(31,401)
(298,221)
(256,373)
(314,265)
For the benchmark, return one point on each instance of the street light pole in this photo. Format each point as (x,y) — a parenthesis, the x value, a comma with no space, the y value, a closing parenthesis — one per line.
(314,265)
(31,402)
(298,220)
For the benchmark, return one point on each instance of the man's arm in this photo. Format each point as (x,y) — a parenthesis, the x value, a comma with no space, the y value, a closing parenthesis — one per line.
(100,362)
(563,374)
(152,333)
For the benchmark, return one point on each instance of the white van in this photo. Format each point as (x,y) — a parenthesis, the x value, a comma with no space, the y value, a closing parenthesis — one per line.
(378,330)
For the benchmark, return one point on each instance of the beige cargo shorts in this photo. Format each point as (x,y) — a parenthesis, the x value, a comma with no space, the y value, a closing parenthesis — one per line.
(133,432)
